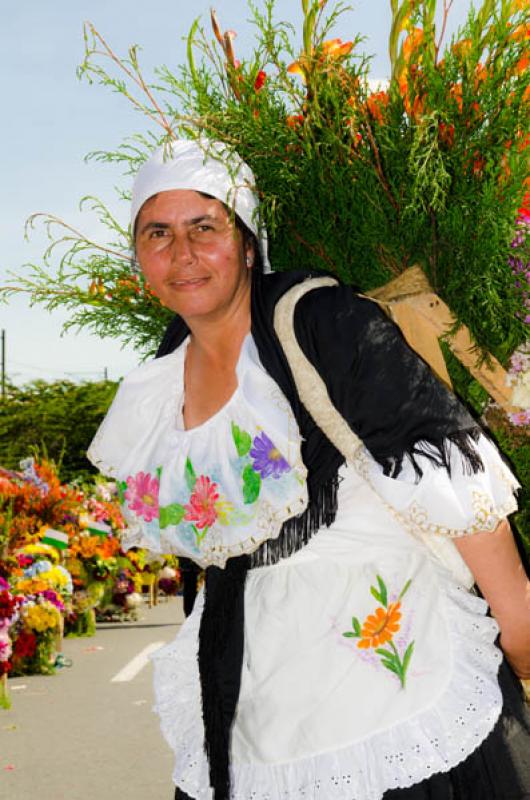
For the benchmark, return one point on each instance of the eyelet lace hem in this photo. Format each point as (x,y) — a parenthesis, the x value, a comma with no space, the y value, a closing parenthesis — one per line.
(433,740)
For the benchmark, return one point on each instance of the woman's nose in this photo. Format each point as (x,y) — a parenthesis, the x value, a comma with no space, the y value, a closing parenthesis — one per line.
(182,249)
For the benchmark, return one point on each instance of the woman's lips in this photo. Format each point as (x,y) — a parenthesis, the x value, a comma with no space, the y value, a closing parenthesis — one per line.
(188,283)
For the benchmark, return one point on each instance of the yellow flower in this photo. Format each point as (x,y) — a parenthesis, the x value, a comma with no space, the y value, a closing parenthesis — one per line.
(42,549)
(223,508)
(55,577)
(41,618)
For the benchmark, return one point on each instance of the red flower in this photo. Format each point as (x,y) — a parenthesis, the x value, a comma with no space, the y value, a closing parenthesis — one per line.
(8,605)
(201,508)
(25,645)
(259,83)
(5,667)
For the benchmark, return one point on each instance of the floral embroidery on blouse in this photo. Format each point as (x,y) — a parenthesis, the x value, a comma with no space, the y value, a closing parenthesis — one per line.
(141,493)
(379,629)
(257,460)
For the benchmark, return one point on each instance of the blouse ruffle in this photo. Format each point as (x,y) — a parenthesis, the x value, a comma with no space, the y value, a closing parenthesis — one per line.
(440,506)
(436,739)
(212,492)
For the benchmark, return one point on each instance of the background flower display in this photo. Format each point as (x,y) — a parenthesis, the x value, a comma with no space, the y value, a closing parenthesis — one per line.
(56,588)
(427,168)
(9,606)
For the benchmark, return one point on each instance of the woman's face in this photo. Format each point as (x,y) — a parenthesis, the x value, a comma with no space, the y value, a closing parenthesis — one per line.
(192,255)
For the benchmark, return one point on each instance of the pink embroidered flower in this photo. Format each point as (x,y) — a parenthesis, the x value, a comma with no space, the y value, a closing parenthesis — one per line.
(142,495)
(201,509)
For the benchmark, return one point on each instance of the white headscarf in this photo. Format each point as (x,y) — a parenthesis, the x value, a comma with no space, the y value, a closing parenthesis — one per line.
(202,166)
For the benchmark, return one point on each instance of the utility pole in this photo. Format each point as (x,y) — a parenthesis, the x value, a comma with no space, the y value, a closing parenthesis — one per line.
(3,364)
(106,374)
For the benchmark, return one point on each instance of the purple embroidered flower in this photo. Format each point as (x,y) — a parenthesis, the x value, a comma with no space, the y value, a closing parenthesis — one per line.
(267,458)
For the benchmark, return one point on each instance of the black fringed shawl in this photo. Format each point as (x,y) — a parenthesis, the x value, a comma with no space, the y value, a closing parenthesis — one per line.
(390,399)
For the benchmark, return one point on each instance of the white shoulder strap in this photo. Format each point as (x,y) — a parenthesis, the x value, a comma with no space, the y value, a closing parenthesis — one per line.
(311,388)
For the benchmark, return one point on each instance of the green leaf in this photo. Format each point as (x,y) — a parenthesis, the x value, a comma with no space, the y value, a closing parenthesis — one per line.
(349,635)
(251,485)
(171,515)
(121,486)
(190,476)
(375,593)
(242,440)
(386,653)
(392,666)
(356,626)
(407,657)
(199,534)
(405,588)
(383,591)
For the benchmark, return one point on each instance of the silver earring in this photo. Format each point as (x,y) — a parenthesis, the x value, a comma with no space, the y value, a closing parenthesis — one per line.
(249,262)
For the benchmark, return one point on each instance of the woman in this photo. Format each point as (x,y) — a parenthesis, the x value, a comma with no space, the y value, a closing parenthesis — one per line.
(337,651)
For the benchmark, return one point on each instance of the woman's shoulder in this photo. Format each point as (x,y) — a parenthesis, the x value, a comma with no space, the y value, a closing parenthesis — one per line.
(152,369)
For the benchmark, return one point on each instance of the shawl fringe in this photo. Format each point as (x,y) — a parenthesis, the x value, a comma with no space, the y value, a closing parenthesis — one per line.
(438,452)
(297,531)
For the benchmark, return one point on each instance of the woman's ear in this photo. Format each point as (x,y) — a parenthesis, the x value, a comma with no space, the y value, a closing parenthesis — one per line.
(249,254)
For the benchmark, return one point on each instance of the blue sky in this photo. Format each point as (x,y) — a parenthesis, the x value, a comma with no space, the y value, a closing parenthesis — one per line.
(51,121)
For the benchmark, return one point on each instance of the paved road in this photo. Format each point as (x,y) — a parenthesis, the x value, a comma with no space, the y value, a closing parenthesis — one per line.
(79,735)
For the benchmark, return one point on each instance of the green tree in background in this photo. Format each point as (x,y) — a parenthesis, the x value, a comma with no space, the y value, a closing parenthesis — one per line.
(57,419)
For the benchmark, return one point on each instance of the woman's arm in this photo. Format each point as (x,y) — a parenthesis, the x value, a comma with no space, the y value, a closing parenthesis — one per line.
(500,575)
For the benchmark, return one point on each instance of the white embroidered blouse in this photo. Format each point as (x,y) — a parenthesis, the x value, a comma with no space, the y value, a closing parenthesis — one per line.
(367,663)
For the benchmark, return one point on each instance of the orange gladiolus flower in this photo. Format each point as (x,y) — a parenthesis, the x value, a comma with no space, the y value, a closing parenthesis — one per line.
(294,120)
(456,93)
(336,48)
(296,69)
(412,42)
(376,103)
(522,64)
(380,627)
(521,33)
(462,48)
(481,73)
(447,133)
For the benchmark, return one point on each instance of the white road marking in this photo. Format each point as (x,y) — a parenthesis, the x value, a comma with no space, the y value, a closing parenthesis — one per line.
(136,664)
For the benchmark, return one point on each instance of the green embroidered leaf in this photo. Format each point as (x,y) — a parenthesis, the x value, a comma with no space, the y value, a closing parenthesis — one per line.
(407,657)
(242,440)
(171,515)
(382,590)
(158,472)
(375,593)
(251,485)
(405,588)
(356,625)
(121,486)
(349,635)
(385,653)
(390,665)
(190,476)
(200,534)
